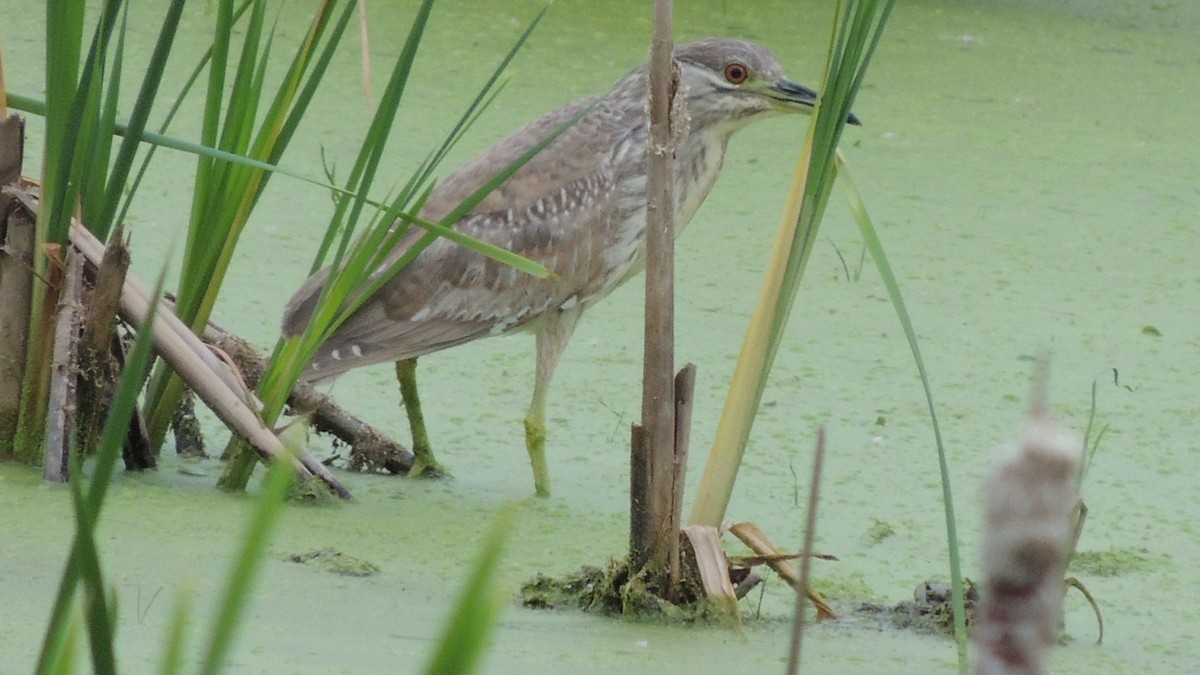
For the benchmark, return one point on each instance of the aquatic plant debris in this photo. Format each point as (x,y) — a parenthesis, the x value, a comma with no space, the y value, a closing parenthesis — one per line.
(611,591)
(335,562)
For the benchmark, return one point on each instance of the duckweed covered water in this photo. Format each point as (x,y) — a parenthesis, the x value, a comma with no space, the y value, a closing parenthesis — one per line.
(1033,172)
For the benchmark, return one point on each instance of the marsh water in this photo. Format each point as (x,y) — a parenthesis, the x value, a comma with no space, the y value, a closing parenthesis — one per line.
(1033,170)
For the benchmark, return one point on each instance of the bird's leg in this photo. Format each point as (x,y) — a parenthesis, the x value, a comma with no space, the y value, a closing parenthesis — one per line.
(424,465)
(551,342)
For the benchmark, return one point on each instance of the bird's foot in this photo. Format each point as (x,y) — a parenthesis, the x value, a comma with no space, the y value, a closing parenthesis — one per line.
(425,466)
(421,469)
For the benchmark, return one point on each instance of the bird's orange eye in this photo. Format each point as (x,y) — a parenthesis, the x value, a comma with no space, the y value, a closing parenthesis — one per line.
(736,73)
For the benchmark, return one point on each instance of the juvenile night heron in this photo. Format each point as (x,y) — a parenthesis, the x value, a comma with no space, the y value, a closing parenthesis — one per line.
(578,208)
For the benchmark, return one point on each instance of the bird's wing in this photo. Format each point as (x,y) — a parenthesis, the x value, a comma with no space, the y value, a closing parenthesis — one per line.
(559,210)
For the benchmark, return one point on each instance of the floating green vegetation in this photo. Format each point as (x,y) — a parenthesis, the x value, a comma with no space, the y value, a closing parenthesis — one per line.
(335,562)
(879,530)
(1116,561)
(845,587)
(610,590)
(311,491)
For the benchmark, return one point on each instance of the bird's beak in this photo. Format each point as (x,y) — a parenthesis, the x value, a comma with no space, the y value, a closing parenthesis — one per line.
(798,95)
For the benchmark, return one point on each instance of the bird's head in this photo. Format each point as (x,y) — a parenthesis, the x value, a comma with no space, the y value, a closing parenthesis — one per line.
(731,82)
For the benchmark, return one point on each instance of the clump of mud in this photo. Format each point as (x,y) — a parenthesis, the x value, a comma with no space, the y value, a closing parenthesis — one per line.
(930,611)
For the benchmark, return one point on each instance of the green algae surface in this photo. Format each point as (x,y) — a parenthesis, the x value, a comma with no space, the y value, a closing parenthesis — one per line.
(1033,173)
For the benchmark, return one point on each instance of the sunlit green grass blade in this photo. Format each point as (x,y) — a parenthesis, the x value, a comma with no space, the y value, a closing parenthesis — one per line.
(63,47)
(222,209)
(214,53)
(94,169)
(62,662)
(370,252)
(425,173)
(96,611)
(344,218)
(119,174)
(489,90)
(1091,444)
(466,637)
(215,93)
(362,174)
(875,246)
(80,129)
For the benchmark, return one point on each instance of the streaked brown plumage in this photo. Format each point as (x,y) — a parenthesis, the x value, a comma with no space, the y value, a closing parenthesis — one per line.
(578,208)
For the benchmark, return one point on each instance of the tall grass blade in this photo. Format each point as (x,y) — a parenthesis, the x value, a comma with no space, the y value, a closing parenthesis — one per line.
(226,197)
(119,175)
(276,383)
(875,246)
(857,23)
(64,39)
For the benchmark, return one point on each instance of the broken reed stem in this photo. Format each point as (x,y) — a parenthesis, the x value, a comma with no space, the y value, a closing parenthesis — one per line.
(64,373)
(1030,499)
(810,533)
(685,389)
(16,279)
(756,540)
(95,353)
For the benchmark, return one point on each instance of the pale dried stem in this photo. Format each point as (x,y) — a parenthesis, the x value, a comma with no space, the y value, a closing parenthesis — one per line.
(64,373)
(710,559)
(758,541)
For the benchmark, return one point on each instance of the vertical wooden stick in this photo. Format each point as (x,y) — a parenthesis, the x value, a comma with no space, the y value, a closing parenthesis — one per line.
(16,280)
(650,532)
(64,373)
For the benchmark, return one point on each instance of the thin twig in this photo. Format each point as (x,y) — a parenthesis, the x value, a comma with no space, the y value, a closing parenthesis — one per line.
(810,532)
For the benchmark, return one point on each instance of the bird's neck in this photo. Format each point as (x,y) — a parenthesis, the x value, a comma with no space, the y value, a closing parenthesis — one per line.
(698,161)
